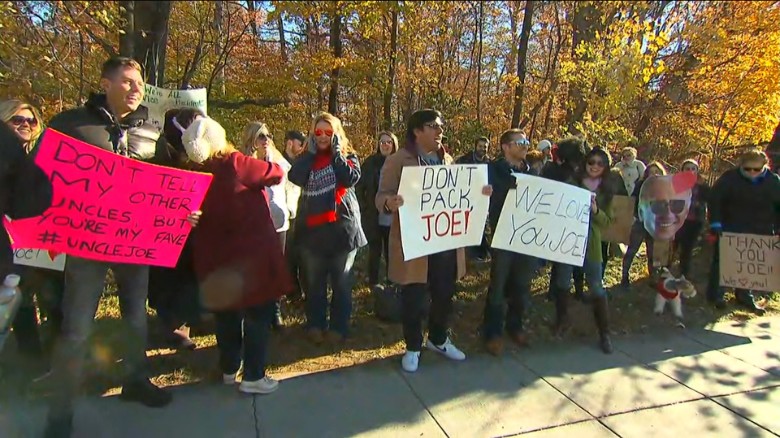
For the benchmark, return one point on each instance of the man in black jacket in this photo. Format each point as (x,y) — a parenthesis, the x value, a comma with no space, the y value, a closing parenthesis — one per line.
(478,156)
(510,273)
(117,122)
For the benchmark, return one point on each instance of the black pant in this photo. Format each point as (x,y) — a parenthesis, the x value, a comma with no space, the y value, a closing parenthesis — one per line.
(47,288)
(377,248)
(278,303)
(293,254)
(715,291)
(579,273)
(442,271)
(686,239)
(249,344)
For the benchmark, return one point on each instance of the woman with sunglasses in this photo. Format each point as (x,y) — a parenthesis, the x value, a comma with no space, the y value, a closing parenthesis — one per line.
(328,226)
(595,177)
(638,233)
(688,235)
(42,285)
(376,225)
(258,143)
(743,200)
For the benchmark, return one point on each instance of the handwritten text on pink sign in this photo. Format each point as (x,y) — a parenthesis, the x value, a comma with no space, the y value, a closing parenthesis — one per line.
(111,208)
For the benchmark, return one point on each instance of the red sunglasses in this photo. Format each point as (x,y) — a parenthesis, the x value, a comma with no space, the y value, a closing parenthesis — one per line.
(320,132)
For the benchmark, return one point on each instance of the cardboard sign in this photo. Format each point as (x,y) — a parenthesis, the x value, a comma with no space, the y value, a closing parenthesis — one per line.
(750,261)
(160,100)
(110,208)
(545,219)
(623,220)
(444,208)
(39,258)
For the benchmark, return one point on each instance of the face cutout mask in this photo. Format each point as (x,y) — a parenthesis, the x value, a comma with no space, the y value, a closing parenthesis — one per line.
(664,202)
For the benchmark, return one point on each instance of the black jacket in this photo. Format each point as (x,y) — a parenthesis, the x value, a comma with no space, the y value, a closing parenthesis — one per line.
(471,158)
(94,123)
(25,190)
(744,206)
(501,179)
(366,189)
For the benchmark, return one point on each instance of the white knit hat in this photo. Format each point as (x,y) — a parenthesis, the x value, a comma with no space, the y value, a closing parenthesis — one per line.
(544,144)
(202,138)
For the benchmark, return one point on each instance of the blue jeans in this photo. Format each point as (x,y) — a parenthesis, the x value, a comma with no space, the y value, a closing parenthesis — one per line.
(250,343)
(560,278)
(320,271)
(509,292)
(593,271)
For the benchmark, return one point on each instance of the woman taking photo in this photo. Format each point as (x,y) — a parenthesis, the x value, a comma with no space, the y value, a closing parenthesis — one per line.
(258,143)
(328,226)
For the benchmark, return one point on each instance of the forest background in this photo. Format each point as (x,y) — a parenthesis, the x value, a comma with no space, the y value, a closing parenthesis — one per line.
(677,79)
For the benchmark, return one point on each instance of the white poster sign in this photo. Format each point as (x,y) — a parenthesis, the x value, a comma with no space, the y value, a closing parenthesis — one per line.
(444,208)
(160,100)
(545,219)
(39,258)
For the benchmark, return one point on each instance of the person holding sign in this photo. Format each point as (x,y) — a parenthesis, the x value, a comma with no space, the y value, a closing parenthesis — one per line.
(238,254)
(744,200)
(115,121)
(511,273)
(328,227)
(436,273)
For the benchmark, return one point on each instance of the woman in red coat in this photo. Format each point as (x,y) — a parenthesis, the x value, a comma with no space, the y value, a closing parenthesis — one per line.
(237,255)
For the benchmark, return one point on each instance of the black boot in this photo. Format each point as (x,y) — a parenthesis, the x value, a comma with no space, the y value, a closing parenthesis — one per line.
(562,322)
(144,392)
(601,312)
(277,323)
(59,425)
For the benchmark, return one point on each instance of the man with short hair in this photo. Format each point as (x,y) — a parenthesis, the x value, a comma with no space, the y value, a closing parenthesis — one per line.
(511,273)
(478,156)
(115,121)
(293,144)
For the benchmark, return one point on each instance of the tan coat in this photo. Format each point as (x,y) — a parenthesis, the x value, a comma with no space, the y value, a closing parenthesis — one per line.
(415,270)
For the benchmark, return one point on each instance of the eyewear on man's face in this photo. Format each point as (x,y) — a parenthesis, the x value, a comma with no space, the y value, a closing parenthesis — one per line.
(676,206)
(434,125)
(522,142)
(19,121)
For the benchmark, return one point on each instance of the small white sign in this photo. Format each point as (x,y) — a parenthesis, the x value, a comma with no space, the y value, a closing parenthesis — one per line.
(160,100)
(39,258)
(546,219)
(444,208)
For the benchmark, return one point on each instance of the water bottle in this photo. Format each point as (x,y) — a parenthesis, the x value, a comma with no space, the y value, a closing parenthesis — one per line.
(10,298)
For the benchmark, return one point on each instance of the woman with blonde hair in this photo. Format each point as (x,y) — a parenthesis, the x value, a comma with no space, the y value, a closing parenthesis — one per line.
(257,142)
(328,225)
(237,254)
(376,225)
(24,119)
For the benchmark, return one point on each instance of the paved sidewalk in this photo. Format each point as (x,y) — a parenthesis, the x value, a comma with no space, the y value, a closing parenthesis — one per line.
(722,382)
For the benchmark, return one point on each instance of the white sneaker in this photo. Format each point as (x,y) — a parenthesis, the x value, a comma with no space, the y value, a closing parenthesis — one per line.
(230,379)
(410,361)
(266,385)
(447,349)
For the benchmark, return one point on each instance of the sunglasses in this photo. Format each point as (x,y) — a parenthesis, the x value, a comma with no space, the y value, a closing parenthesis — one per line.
(265,137)
(753,169)
(676,206)
(19,120)
(522,142)
(321,132)
(434,125)
(598,163)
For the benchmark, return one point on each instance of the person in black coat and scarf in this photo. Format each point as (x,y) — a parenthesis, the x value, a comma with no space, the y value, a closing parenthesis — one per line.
(376,225)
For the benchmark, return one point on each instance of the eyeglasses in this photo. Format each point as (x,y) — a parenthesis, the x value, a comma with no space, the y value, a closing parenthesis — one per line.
(19,120)
(434,125)
(521,142)
(753,169)
(321,132)
(265,137)
(597,163)
(676,206)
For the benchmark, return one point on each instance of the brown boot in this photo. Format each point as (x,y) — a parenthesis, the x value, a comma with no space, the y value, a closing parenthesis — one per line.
(495,346)
(601,312)
(520,339)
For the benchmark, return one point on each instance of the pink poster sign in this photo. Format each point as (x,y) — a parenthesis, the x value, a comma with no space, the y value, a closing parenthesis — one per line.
(110,208)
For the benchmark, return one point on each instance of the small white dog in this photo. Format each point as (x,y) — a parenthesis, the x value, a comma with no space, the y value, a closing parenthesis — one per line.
(671,289)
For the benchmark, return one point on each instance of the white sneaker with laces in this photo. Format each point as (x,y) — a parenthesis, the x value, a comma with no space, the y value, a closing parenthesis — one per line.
(266,385)
(410,361)
(447,349)
(230,379)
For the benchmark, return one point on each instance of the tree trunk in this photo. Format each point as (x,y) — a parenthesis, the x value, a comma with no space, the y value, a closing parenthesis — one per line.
(282,41)
(521,63)
(250,6)
(127,37)
(585,19)
(479,63)
(388,97)
(512,58)
(151,38)
(335,45)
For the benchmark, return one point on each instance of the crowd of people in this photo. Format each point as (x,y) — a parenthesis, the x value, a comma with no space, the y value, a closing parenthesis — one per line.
(291,223)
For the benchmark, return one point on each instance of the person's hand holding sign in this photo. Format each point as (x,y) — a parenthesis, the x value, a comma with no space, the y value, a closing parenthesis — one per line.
(487,190)
(393,203)
(194,217)
(594,206)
